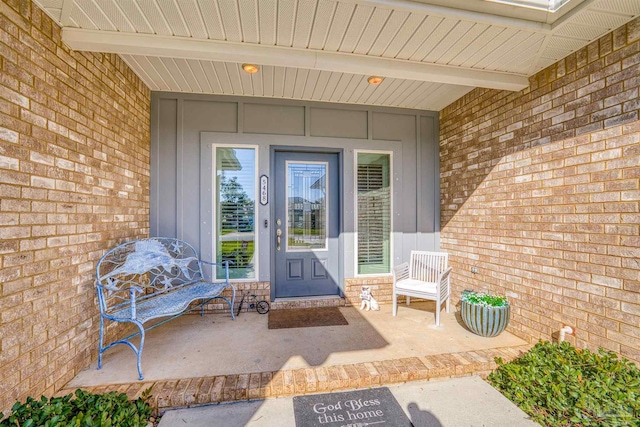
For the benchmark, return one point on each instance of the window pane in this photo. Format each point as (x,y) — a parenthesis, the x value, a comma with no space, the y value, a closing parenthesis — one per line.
(235,204)
(307,209)
(374,213)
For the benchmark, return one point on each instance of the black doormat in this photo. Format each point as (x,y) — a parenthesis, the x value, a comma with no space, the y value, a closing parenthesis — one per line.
(376,406)
(306,318)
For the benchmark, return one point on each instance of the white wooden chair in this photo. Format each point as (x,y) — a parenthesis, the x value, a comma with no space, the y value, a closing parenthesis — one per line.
(425,276)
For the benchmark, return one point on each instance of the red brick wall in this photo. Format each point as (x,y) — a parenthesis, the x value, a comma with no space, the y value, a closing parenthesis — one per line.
(74,180)
(540,191)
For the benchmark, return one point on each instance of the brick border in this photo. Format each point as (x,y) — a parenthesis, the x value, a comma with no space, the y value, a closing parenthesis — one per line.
(188,392)
(381,286)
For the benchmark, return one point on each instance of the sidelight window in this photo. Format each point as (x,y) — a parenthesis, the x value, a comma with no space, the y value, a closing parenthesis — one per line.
(373,207)
(235,201)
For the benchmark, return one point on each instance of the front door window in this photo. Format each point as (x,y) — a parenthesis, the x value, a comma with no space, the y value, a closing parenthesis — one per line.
(306,206)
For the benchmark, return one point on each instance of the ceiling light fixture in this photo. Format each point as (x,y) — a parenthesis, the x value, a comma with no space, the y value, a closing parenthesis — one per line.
(250,68)
(375,80)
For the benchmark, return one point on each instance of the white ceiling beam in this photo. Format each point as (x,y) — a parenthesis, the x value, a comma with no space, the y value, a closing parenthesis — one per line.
(65,12)
(541,49)
(450,12)
(189,48)
(587,4)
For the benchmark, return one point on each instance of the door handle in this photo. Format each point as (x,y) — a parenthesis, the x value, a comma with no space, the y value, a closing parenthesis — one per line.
(278,234)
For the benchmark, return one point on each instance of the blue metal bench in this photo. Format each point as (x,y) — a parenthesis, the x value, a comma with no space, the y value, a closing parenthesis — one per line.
(143,280)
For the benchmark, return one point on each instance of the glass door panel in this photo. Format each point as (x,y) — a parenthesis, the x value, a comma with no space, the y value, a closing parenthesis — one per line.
(306,206)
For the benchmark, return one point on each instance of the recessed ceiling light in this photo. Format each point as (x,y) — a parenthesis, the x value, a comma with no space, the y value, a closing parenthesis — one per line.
(375,80)
(250,68)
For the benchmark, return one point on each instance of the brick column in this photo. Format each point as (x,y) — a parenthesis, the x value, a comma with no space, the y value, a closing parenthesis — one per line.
(74,181)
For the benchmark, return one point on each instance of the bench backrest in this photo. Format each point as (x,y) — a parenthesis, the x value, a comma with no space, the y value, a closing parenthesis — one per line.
(426,266)
(152,265)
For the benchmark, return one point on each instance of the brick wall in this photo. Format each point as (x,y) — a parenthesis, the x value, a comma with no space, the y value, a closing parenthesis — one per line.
(540,191)
(381,289)
(74,180)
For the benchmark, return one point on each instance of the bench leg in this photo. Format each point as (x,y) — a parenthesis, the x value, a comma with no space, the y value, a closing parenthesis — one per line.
(139,351)
(233,301)
(202,309)
(101,343)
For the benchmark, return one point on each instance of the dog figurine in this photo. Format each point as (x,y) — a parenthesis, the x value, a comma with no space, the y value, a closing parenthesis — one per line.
(368,300)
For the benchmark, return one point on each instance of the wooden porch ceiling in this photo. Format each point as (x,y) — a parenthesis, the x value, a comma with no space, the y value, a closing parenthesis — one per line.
(430,54)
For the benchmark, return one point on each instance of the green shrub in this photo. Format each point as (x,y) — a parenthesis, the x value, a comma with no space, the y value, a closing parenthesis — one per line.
(559,385)
(85,410)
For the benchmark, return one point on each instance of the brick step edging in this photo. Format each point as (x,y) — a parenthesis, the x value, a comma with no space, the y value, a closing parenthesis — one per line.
(188,392)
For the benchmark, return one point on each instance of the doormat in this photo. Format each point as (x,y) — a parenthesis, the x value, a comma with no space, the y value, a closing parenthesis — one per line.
(375,406)
(306,318)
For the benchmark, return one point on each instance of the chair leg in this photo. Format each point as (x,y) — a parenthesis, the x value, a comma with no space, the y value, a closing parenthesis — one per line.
(394,310)
(438,307)
(408,300)
(448,304)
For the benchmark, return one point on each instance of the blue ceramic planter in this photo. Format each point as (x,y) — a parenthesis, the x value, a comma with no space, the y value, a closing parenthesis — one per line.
(485,321)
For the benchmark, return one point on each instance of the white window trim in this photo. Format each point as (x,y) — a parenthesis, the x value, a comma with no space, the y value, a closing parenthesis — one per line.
(214,241)
(326,211)
(355,210)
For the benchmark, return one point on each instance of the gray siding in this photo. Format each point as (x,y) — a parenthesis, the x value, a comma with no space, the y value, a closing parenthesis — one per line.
(185,128)
(335,123)
(165,169)
(273,119)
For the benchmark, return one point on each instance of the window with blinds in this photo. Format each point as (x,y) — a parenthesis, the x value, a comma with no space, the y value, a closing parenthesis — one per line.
(235,211)
(374,213)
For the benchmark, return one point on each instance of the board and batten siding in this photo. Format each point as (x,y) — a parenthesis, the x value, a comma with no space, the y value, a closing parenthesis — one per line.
(184,128)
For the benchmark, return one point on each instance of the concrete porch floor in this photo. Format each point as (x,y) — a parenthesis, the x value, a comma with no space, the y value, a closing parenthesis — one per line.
(213,358)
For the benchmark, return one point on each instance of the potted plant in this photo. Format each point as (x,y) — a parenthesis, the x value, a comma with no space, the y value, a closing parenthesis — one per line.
(484,314)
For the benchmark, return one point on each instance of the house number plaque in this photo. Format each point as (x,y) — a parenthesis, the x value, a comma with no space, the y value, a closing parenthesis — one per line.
(264,190)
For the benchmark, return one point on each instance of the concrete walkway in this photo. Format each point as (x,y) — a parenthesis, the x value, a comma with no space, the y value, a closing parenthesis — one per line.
(456,402)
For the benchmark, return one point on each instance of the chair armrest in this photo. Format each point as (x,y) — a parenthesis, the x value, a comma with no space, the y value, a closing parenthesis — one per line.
(400,272)
(443,280)
(445,275)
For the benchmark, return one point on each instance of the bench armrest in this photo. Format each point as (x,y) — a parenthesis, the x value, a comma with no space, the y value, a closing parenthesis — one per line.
(224,263)
(133,291)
